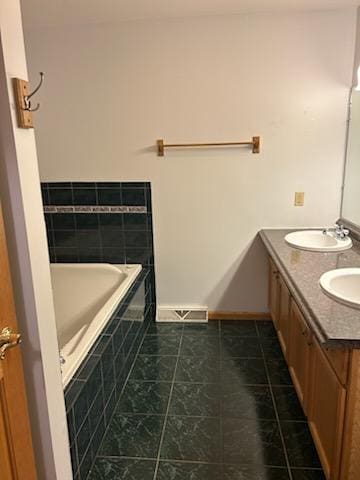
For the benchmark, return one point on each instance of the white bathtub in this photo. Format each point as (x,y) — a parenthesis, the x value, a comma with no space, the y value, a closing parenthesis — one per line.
(85,296)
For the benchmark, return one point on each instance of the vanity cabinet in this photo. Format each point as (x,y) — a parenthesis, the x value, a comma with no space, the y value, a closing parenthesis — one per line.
(326,380)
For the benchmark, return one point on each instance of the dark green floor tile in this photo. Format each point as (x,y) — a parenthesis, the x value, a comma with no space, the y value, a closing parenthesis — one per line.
(278,371)
(238,328)
(132,436)
(122,469)
(243,401)
(197,370)
(209,328)
(266,328)
(160,345)
(240,347)
(197,399)
(144,397)
(252,442)
(188,471)
(200,346)
(192,438)
(153,368)
(307,474)
(165,329)
(244,371)
(299,445)
(254,472)
(287,403)
(271,347)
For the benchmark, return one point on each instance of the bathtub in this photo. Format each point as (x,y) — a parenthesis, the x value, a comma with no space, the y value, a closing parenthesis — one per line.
(85,297)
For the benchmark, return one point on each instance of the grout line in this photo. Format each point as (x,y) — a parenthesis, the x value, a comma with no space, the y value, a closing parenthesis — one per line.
(116,404)
(275,409)
(168,408)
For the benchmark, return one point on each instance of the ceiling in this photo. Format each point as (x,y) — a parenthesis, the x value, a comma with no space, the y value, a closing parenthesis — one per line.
(51,13)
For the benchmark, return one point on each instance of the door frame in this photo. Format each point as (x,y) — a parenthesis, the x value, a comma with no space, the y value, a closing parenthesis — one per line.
(29,261)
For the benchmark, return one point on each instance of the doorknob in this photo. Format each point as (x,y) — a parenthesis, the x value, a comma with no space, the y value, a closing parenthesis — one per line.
(8,339)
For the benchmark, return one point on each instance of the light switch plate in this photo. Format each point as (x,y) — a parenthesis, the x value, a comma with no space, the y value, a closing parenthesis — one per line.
(299,199)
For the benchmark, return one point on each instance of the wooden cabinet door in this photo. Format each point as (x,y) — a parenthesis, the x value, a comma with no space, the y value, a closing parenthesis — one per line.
(299,354)
(273,292)
(326,412)
(16,451)
(284,317)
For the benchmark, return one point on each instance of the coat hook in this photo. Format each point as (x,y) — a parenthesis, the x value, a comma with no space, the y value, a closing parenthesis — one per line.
(27,101)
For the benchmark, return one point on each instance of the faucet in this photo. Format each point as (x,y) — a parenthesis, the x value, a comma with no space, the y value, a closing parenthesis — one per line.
(339,231)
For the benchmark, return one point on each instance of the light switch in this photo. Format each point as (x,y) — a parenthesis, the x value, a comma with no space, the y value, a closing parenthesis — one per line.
(299,199)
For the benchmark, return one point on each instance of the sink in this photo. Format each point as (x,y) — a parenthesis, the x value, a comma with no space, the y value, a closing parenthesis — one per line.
(317,241)
(343,285)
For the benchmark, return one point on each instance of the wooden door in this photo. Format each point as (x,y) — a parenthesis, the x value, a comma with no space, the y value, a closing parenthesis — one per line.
(16,451)
(273,292)
(284,317)
(299,354)
(326,412)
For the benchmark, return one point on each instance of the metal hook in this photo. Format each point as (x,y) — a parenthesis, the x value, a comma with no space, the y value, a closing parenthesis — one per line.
(27,101)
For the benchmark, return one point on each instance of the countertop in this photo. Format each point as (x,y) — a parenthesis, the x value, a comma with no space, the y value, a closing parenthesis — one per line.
(335,325)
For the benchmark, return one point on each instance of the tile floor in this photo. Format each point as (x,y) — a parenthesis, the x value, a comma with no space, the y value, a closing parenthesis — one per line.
(208,402)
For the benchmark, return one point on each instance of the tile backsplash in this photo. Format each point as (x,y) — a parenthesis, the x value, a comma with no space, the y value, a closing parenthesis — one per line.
(108,222)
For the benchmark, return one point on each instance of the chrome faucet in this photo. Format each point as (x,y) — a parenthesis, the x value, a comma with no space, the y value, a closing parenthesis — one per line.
(339,231)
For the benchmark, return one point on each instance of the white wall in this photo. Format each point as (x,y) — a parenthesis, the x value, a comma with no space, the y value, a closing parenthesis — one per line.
(25,229)
(111,91)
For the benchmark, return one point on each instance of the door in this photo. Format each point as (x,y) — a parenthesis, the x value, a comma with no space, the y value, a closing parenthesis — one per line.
(16,451)
(326,412)
(273,292)
(284,317)
(299,354)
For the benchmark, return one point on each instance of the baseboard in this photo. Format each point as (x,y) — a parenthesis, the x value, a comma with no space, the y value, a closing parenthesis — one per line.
(239,316)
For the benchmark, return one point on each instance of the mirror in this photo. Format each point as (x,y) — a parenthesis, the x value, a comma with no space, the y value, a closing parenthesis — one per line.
(351,193)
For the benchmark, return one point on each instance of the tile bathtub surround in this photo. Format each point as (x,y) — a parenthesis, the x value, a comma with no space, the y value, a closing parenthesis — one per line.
(91,396)
(107,222)
(200,405)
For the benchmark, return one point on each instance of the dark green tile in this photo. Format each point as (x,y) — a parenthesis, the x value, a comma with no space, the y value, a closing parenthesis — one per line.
(240,347)
(197,370)
(209,328)
(252,442)
(198,399)
(121,468)
(299,445)
(306,474)
(188,471)
(160,345)
(144,397)
(239,328)
(132,435)
(266,328)
(153,368)
(287,403)
(271,347)
(200,346)
(278,371)
(244,401)
(244,371)
(165,329)
(254,472)
(192,438)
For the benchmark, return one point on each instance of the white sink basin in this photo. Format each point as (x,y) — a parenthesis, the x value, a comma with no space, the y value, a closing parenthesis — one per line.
(317,241)
(343,285)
